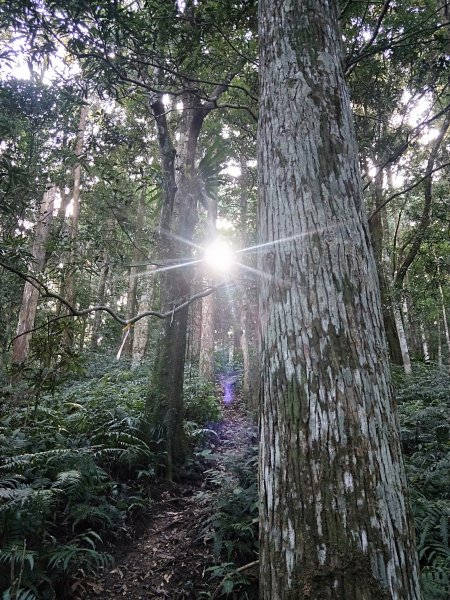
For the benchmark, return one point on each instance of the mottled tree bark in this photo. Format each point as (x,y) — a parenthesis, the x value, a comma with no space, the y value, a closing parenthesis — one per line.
(30,295)
(334,521)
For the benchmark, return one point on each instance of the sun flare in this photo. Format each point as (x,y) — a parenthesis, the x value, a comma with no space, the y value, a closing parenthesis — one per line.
(219,256)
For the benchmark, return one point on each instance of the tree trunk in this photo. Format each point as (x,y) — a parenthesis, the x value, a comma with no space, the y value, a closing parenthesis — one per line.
(425,348)
(179,216)
(135,268)
(439,342)
(334,521)
(406,360)
(30,295)
(248,384)
(206,363)
(100,299)
(141,329)
(446,328)
(70,279)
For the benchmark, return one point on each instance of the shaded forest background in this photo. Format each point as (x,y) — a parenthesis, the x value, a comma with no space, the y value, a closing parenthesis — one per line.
(127,144)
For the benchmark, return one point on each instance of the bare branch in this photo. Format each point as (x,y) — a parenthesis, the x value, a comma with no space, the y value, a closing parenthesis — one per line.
(46,293)
(408,189)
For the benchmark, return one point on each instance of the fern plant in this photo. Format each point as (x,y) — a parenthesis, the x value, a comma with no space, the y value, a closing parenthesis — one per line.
(63,482)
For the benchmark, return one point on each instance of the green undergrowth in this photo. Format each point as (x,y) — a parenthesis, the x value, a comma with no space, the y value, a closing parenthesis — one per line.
(75,475)
(424,410)
(231,501)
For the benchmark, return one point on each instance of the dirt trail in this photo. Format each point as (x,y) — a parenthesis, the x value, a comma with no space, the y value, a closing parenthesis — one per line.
(170,556)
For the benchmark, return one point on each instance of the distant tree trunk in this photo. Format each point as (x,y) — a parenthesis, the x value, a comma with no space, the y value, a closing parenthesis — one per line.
(439,342)
(135,267)
(178,220)
(248,359)
(248,304)
(206,363)
(195,332)
(100,299)
(406,359)
(334,521)
(377,234)
(141,328)
(423,338)
(30,295)
(446,328)
(70,278)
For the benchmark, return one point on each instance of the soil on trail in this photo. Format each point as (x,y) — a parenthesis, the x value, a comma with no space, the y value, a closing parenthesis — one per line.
(169,558)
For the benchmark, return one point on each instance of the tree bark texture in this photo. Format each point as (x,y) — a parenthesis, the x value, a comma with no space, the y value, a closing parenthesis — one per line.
(30,295)
(334,521)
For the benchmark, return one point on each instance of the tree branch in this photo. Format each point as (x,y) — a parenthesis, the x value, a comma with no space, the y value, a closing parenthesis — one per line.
(46,293)
(426,210)
(408,189)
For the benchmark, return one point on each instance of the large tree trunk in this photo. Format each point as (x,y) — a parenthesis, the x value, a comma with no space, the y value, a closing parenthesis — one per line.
(334,520)
(30,295)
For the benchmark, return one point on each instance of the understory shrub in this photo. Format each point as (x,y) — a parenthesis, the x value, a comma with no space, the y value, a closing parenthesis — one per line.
(68,479)
(232,525)
(424,411)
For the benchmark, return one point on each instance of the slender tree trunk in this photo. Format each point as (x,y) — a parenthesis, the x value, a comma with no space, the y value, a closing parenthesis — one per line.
(425,348)
(377,233)
(136,267)
(446,328)
(70,279)
(206,363)
(178,219)
(100,296)
(141,329)
(30,295)
(334,521)
(439,342)
(248,384)
(406,360)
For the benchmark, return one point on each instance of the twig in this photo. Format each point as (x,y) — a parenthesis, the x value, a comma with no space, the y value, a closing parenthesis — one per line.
(238,570)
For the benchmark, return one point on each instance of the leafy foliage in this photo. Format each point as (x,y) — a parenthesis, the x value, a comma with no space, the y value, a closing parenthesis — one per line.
(233,523)
(424,408)
(65,482)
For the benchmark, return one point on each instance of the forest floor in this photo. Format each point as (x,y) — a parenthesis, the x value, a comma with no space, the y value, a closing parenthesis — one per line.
(170,554)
